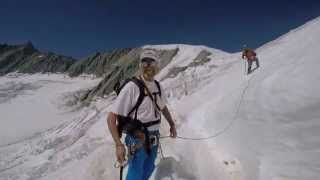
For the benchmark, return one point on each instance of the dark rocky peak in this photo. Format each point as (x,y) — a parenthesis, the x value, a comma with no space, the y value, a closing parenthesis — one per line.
(6,48)
(28,47)
(3,45)
(96,55)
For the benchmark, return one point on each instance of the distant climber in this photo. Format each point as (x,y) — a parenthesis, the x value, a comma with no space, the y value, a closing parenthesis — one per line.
(249,55)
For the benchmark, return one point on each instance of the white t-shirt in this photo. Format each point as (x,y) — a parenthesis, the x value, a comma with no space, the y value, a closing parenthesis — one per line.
(128,98)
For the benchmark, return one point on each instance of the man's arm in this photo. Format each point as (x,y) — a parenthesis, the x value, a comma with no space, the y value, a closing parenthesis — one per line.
(121,106)
(167,115)
(112,125)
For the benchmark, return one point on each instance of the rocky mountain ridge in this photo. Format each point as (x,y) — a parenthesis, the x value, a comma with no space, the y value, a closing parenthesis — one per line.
(111,66)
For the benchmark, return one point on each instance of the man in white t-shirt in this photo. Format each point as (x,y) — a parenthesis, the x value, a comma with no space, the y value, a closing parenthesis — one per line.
(143,141)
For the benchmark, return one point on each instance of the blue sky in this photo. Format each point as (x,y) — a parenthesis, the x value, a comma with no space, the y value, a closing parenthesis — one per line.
(83,27)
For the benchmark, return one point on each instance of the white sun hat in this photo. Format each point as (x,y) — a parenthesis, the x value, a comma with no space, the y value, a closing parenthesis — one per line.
(149,53)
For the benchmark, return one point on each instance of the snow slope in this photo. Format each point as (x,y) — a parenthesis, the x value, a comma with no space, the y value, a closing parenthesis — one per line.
(274,135)
(265,125)
(31,103)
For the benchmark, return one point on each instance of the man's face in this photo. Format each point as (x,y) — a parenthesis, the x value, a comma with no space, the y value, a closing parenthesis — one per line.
(149,67)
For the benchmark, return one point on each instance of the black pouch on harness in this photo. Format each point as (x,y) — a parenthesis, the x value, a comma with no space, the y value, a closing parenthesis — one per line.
(128,125)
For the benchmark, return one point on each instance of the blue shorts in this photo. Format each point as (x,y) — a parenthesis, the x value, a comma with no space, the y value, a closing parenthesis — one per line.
(141,164)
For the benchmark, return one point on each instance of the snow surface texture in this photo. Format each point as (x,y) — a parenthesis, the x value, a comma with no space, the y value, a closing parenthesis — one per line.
(267,124)
(31,103)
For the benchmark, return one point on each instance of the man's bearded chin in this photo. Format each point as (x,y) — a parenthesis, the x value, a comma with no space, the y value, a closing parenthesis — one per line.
(150,72)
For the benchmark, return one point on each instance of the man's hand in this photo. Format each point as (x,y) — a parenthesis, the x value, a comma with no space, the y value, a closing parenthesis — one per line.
(120,153)
(173,131)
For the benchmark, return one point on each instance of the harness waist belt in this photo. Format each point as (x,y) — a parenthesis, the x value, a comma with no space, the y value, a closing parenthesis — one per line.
(151,123)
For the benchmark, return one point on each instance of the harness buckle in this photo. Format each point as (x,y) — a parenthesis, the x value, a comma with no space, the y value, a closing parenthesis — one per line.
(154,140)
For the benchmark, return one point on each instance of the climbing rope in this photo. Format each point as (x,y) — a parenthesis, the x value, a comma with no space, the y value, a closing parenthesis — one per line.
(224,129)
(199,138)
(161,151)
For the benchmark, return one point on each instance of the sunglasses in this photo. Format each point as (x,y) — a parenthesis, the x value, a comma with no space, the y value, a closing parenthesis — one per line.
(145,62)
